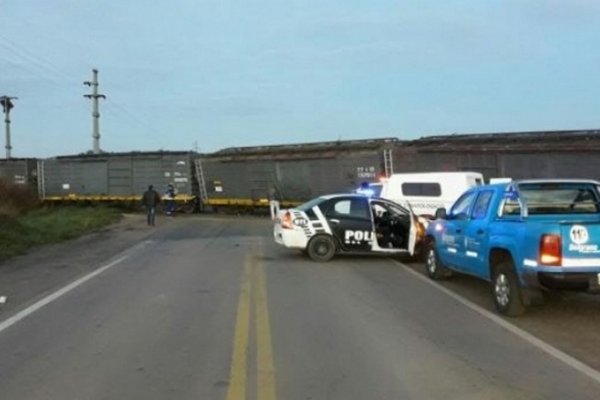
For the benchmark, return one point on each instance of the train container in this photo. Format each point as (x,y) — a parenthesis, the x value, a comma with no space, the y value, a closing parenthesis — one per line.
(117,176)
(549,154)
(247,177)
(19,171)
(250,176)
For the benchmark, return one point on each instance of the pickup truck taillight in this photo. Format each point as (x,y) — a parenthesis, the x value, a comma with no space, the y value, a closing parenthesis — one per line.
(550,250)
(286,221)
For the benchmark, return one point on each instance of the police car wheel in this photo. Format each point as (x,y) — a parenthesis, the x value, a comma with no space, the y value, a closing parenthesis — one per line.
(435,269)
(506,290)
(321,248)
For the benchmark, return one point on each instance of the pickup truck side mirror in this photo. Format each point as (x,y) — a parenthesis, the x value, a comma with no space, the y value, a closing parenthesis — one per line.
(440,213)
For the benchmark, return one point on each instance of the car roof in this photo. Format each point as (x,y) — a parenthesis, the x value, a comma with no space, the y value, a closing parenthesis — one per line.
(505,185)
(336,195)
(518,182)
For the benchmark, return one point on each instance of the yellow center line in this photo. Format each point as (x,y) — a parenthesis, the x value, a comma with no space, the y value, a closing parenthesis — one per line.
(253,286)
(264,351)
(237,378)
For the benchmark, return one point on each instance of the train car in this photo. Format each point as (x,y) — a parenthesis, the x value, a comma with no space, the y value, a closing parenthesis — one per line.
(247,177)
(19,171)
(520,155)
(117,177)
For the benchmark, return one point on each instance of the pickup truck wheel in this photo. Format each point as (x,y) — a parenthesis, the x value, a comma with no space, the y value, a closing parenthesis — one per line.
(506,290)
(321,248)
(435,269)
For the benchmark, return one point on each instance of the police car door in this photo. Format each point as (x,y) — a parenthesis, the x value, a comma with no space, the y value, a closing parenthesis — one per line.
(397,210)
(350,221)
(414,221)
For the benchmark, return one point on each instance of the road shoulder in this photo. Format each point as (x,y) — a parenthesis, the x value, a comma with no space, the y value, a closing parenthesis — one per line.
(26,278)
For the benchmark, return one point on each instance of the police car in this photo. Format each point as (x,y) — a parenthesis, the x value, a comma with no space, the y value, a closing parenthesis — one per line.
(348,223)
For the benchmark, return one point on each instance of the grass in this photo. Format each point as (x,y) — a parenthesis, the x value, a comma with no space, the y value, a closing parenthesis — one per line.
(21,231)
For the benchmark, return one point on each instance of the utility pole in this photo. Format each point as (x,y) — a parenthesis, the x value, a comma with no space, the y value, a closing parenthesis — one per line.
(7,104)
(95,110)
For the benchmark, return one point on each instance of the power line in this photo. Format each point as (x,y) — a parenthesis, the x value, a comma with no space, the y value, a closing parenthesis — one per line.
(50,68)
(39,61)
(133,117)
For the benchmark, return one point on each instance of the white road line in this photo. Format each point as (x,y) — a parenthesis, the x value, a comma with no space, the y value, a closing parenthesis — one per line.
(60,292)
(540,344)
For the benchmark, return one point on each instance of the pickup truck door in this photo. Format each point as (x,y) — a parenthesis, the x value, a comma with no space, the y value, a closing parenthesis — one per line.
(474,258)
(453,245)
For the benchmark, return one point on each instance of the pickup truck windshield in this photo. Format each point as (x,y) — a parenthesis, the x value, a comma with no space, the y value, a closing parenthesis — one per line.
(560,198)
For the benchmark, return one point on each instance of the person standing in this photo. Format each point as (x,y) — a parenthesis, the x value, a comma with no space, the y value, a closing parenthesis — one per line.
(170,199)
(150,200)
(274,202)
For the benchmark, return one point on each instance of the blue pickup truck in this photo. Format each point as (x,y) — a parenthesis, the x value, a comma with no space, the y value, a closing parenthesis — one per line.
(524,237)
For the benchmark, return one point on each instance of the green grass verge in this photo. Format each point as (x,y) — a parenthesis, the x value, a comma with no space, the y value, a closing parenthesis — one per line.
(50,225)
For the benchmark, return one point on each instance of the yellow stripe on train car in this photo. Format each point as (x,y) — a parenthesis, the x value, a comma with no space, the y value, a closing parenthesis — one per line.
(75,197)
(247,202)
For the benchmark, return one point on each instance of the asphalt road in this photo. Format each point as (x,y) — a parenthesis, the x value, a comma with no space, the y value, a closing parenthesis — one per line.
(209,308)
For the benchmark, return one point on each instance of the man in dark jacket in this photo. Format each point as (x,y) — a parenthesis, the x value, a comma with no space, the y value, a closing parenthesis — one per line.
(150,200)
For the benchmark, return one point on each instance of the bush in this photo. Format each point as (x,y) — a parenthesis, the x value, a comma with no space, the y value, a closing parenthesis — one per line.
(12,237)
(16,199)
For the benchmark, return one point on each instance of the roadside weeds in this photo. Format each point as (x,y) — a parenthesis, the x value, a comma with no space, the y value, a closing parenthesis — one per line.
(20,232)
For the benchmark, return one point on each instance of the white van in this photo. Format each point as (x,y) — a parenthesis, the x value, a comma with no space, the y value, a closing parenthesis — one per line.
(426,192)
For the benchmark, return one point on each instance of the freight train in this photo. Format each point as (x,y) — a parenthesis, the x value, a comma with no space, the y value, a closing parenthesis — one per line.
(245,178)
(248,177)
(20,171)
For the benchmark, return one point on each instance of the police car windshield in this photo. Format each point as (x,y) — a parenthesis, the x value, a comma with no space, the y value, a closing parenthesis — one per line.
(310,204)
(561,198)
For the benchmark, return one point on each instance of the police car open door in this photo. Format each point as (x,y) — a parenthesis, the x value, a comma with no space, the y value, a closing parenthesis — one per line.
(394,227)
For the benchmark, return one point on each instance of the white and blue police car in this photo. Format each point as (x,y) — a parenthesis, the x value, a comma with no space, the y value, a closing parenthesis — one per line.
(348,223)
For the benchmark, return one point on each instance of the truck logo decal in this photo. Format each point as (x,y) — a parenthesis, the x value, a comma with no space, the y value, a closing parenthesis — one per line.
(356,237)
(579,237)
(579,234)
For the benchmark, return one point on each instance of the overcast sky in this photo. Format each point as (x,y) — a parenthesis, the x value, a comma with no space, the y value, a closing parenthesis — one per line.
(248,72)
